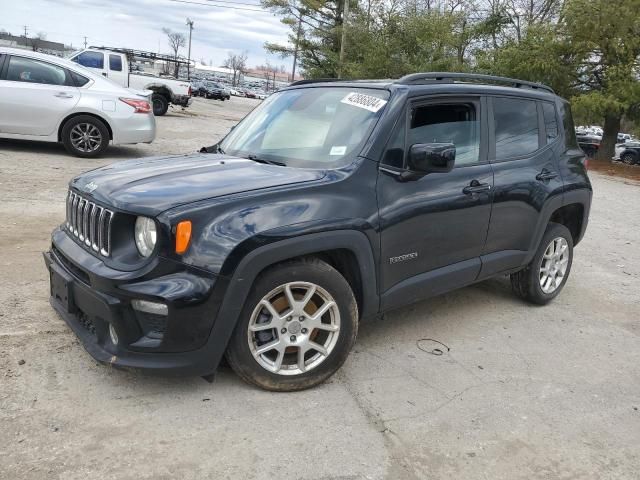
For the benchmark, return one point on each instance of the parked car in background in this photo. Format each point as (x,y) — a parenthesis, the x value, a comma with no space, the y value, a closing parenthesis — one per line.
(589,143)
(249,94)
(328,205)
(50,99)
(213,90)
(628,153)
(115,65)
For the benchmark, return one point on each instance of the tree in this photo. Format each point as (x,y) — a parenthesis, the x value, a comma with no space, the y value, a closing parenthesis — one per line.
(606,37)
(176,41)
(237,63)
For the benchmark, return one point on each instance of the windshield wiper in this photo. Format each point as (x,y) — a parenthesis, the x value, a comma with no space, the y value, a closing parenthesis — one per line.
(255,158)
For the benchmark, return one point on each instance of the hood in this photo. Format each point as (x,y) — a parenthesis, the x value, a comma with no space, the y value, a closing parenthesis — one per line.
(149,186)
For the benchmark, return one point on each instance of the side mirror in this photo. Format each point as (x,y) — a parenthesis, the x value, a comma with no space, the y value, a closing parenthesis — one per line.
(431,157)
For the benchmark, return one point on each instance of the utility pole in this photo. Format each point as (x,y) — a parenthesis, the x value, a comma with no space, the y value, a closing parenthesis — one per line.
(85,42)
(25,31)
(295,52)
(190,24)
(345,18)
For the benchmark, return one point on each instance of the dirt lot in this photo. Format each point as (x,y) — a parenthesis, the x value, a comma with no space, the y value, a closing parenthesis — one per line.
(523,393)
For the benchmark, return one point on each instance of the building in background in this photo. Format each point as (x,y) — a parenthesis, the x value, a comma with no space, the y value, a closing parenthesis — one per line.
(35,44)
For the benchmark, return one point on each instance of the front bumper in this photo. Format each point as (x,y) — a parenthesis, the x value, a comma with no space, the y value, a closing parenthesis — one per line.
(91,297)
(182,100)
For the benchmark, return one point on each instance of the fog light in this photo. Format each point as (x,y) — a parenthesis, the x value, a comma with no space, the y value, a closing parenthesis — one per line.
(113,335)
(150,307)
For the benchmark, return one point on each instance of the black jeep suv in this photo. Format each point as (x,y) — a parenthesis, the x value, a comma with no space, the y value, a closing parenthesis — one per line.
(328,204)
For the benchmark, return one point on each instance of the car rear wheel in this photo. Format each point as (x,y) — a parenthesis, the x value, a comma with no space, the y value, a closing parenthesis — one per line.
(85,136)
(545,276)
(160,104)
(628,158)
(297,327)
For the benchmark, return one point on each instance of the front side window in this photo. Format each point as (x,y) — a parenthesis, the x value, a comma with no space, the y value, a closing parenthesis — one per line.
(316,127)
(34,71)
(516,127)
(550,121)
(90,59)
(115,63)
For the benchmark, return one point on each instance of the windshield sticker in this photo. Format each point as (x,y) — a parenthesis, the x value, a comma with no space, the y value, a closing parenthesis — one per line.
(338,150)
(360,100)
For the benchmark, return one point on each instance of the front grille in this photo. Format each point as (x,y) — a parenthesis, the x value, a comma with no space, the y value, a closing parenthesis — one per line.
(90,223)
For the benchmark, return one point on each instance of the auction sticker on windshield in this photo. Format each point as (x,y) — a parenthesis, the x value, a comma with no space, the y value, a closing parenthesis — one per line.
(360,100)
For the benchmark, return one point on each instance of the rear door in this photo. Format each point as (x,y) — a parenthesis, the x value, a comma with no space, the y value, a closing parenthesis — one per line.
(117,68)
(94,60)
(523,138)
(34,96)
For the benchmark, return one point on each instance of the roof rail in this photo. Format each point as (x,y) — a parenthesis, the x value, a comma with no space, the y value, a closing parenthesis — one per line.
(447,77)
(317,80)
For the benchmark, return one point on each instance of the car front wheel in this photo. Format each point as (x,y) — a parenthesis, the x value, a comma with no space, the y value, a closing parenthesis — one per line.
(297,327)
(85,136)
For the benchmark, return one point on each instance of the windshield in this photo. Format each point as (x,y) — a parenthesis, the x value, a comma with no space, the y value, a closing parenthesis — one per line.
(320,127)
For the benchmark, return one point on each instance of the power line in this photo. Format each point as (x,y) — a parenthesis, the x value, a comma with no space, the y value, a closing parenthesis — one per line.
(221,6)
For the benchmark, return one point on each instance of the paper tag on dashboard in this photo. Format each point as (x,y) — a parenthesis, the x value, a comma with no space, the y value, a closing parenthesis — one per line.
(338,150)
(360,100)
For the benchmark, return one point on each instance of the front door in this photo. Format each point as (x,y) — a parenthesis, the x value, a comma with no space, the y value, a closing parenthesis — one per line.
(433,229)
(34,96)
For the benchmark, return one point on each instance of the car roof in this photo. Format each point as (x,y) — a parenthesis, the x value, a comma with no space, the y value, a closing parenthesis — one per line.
(442,82)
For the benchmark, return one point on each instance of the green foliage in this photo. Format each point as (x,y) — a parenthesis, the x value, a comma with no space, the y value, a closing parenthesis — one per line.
(587,50)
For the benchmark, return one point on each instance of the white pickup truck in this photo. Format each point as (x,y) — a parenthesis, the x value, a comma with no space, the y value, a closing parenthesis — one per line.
(115,65)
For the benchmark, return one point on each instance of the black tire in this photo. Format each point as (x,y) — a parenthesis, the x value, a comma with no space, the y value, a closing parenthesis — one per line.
(332,282)
(85,123)
(526,282)
(160,104)
(628,158)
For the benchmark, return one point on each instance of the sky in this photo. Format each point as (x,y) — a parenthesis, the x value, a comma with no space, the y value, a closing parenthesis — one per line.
(138,24)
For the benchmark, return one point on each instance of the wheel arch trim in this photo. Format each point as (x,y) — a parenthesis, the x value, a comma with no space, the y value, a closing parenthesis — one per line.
(263,257)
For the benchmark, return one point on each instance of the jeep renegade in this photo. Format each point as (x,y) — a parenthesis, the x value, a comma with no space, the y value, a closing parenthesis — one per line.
(330,203)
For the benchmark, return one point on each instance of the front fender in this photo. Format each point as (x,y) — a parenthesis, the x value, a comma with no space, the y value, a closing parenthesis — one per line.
(254,262)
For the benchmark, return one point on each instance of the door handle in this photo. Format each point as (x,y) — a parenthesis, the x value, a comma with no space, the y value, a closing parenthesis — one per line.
(546,175)
(63,95)
(104,74)
(476,187)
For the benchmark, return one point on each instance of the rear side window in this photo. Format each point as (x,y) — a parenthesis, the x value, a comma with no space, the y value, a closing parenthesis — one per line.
(115,63)
(90,59)
(516,127)
(550,121)
(79,80)
(567,123)
(28,70)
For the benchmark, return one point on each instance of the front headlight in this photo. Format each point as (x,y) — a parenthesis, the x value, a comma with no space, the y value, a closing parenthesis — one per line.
(145,233)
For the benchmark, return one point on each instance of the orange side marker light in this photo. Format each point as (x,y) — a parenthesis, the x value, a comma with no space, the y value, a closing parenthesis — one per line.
(183,236)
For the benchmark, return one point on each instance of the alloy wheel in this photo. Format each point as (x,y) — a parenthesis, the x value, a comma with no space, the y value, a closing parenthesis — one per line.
(554,265)
(294,328)
(86,137)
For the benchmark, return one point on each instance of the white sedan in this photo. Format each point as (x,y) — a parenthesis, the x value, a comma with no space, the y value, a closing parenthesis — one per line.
(50,99)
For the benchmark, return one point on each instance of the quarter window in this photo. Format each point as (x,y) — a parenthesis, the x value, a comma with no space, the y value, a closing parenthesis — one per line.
(90,59)
(448,123)
(79,80)
(550,121)
(33,71)
(115,63)
(516,127)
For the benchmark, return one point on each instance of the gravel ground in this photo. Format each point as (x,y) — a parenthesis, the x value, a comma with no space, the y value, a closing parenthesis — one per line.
(523,393)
